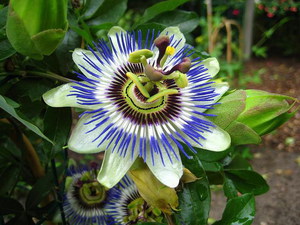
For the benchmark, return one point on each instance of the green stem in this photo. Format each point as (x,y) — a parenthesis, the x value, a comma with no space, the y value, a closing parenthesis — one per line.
(58,193)
(37,73)
(50,75)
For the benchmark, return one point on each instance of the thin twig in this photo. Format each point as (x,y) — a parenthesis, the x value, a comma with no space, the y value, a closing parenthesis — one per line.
(58,193)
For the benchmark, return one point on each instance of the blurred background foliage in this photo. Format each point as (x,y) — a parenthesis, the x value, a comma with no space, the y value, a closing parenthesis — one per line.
(32,169)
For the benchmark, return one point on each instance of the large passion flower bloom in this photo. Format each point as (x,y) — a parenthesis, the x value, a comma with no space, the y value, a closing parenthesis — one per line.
(144,97)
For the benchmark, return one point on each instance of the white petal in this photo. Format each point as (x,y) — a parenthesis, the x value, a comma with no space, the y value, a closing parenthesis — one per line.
(170,173)
(216,140)
(220,89)
(112,34)
(114,167)
(58,97)
(81,61)
(212,65)
(81,141)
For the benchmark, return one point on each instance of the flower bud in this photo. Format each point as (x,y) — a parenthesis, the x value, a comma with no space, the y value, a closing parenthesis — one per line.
(265,111)
(35,28)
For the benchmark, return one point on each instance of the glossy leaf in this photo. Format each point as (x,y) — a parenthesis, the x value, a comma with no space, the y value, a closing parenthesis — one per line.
(194,199)
(61,60)
(241,134)
(3,16)
(186,21)
(39,191)
(57,124)
(91,7)
(4,104)
(159,8)
(229,188)
(109,12)
(239,211)
(150,223)
(6,50)
(247,181)
(210,156)
(10,206)
(228,109)
(33,35)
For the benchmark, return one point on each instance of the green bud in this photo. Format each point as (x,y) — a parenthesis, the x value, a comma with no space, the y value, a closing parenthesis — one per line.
(246,115)
(265,111)
(36,27)
(135,57)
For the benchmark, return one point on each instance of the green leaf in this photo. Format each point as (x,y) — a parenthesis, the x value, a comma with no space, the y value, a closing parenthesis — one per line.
(3,16)
(9,177)
(238,211)
(228,109)
(109,12)
(150,223)
(91,7)
(159,8)
(186,21)
(247,181)
(229,188)
(4,104)
(10,206)
(150,26)
(39,191)
(194,199)
(57,124)
(241,134)
(47,40)
(61,60)
(6,50)
(238,163)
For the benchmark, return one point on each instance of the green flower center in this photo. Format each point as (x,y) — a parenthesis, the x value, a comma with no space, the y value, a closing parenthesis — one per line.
(140,211)
(92,193)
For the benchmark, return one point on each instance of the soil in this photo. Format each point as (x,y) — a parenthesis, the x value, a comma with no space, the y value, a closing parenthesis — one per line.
(278,157)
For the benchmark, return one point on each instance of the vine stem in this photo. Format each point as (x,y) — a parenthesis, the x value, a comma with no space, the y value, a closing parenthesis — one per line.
(38,73)
(58,193)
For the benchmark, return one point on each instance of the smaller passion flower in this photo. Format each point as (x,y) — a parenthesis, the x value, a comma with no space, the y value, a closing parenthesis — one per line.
(126,206)
(85,198)
(143,98)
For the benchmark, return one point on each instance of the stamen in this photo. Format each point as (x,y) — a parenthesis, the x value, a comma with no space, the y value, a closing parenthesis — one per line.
(152,73)
(161,94)
(139,85)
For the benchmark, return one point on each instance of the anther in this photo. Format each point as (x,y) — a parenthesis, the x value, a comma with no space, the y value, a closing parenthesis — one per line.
(136,56)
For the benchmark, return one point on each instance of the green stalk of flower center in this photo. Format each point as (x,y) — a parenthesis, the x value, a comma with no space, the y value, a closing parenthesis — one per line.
(161,94)
(92,193)
(139,85)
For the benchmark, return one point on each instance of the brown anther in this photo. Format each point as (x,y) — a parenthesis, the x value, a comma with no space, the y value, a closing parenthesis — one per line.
(185,65)
(153,74)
